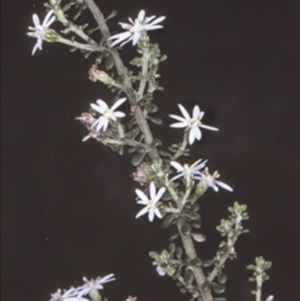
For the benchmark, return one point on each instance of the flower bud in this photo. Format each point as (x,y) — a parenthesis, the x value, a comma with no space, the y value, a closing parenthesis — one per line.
(51,36)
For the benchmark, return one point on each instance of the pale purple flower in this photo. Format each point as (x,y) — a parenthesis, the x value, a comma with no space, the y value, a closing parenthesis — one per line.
(193,124)
(94,284)
(210,181)
(107,113)
(40,30)
(150,203)
(136,29)
(188,172)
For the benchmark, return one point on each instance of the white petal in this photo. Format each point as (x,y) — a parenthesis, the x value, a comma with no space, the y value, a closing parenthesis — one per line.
(157,213)
(195,131)
(177,166)
(179,118)
(36,20)
(142,196)
(196,111)
(107,278)
(152,191)
(119,114)
(160,193)
(184,112)
(207,127)
(223,185)
(141,16)
(118,103)
(47,21)
(158,20)
(136,38)
(142,212)
(152,27)
(178,125)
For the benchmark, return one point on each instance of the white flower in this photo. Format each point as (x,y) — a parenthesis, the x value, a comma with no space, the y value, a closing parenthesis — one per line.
(40,29)
(107,113)
(188,172)
(94,284)
(69,295)
(210,180)
(137,29)
(193,124)
(151,204)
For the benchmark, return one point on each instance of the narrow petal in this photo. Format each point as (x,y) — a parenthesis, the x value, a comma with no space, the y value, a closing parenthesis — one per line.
(223,185)
(178,125)
(152,191)
(207,127)
(136,38)
(177,166)
(184,112)
(118,103)
(196,111)
(177,177)
(119,114)
(142,212)
(179,118)
(196,133)
(152,27)
(158,20)
(142,196)
(151,215)
(47,20)
(141,16)
(160,193)
(157,213)
(36,20)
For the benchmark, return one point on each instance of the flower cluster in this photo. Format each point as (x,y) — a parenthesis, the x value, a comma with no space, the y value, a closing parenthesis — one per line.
(137,29)
(77,293)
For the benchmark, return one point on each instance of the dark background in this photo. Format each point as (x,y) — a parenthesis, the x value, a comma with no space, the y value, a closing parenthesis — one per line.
(68,207)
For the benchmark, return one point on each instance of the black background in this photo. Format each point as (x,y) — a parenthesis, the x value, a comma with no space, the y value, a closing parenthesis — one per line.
(68,207)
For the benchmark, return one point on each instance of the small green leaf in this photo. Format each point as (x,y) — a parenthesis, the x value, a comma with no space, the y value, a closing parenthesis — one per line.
(197,262)
(172,248)
(153,254)
(178,252)
(221,278)
(137,158)
(218,289)
(151,107)
(206,286)
(186,229)
(208,263)
(188,277)
(156,120)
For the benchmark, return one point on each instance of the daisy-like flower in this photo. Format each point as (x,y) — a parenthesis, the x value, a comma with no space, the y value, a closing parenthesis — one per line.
(151,204)
(107,113)
(40,30)
(137,29)
(188,172)
(193,124)
(94,284)
(69,295)
(210,180)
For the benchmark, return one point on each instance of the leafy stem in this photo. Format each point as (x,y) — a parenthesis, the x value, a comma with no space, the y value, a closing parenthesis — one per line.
(127,87)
